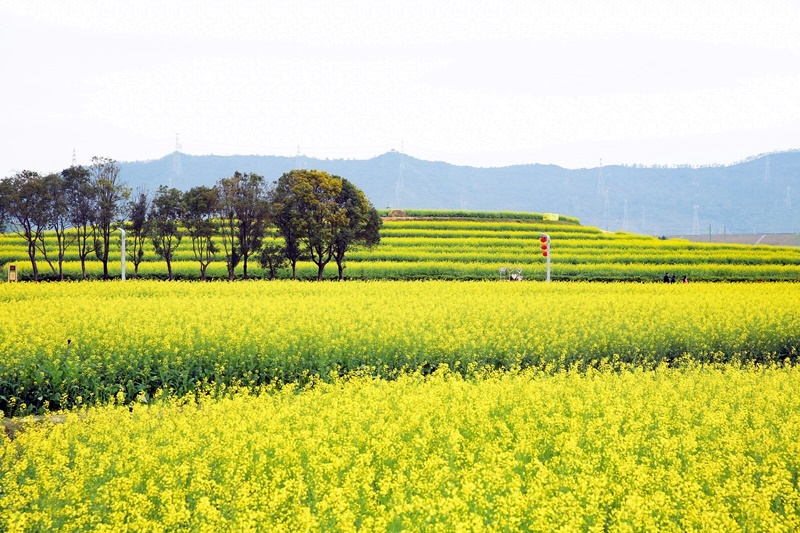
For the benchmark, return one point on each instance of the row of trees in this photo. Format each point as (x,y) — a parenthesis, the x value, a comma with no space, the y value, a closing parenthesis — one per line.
(85,200)
(319,217)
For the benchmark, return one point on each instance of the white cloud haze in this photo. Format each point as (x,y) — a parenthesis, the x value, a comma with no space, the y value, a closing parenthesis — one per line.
(478,83)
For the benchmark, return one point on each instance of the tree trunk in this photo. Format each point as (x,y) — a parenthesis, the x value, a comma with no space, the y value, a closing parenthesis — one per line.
(136,248)
(320,270)
(32,256)
(104,259)
(83,248)
(340,264)
(43,249)
(294,269)
(61,251)
(244,268)
(169,269)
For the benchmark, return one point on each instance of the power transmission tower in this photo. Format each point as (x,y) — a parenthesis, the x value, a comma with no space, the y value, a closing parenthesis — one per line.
(766,172)
(601,185)
(696,224)
(177,165)
(625,216)
(74,158)
(643,219)
(299,164)
(464,204)
(400,184)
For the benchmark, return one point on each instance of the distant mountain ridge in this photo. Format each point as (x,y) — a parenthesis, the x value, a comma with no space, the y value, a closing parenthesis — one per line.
(751,196)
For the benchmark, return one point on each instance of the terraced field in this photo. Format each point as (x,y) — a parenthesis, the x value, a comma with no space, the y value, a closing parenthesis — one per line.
(448,248)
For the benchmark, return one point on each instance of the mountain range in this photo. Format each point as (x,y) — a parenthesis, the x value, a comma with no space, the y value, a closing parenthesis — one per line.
(751,196)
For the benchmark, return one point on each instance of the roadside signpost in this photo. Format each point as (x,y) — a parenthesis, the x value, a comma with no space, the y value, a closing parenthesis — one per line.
(545,240)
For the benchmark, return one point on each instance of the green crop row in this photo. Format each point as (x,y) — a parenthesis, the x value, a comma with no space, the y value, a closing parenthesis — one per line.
(562,249)
(485,215)
(490,225)
(579,269)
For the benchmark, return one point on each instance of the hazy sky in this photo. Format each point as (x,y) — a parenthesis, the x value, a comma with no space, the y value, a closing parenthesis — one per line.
(471,82)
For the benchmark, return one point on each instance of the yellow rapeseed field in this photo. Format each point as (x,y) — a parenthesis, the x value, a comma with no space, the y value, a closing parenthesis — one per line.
(702,448)
(69,344)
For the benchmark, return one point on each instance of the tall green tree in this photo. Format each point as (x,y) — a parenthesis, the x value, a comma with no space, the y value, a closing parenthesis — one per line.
(59,220)
(138,226)
(199,205)
(362,227)
(227,194)
(82,207)
(3,209)
(285,215)
(109,194)
(29,208)
(243,208)
(272,257)
(165,214)
(312,195)
(252,213)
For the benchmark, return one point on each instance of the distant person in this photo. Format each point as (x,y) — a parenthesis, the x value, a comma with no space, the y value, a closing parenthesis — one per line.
(685,279)
(672,279)
(666,277)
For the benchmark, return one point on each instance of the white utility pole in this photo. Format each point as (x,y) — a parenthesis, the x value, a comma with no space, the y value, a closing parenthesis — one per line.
(122,261)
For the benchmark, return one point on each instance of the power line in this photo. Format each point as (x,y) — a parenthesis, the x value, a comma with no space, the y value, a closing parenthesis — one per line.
(177,165)
(625,216)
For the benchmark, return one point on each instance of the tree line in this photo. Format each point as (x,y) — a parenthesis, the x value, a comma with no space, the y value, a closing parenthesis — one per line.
(317,217)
